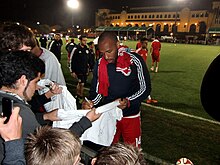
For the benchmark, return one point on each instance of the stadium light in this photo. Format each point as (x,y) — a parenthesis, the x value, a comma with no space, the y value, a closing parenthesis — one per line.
(73,4)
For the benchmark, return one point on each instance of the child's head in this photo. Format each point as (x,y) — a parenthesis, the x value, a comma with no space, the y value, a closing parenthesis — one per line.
(52,146)
(119,154)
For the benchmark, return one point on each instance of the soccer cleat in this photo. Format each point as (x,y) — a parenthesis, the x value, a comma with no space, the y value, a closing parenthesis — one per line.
(156,70)
(154,101)
(152,68)
(151,101)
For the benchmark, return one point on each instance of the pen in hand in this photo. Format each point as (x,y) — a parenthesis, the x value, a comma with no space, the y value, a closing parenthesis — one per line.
(88,102)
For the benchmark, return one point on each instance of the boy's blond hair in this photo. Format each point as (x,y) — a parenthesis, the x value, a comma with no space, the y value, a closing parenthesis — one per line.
(52,146)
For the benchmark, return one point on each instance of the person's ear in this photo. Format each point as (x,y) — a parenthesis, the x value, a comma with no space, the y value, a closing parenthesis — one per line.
(23,80)
(93,161)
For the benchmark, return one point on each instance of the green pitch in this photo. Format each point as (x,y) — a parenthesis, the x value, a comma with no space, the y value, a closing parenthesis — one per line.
(177,87)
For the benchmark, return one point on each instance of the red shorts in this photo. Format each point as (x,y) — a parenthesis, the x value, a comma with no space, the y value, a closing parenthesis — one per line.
(130,129)
(155,57)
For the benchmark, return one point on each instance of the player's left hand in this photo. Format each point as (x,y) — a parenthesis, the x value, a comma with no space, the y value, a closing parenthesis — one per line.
(123,103)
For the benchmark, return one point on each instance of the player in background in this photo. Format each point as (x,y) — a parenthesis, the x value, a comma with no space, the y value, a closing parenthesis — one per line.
(143,51)
(155,53)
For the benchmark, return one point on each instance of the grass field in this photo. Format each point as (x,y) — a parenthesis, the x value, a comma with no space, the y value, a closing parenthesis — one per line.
(176,86)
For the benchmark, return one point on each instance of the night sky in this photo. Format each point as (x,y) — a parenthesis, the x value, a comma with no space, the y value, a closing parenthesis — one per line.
(54,12)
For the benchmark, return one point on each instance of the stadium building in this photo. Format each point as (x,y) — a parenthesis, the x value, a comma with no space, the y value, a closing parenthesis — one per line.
(176,20)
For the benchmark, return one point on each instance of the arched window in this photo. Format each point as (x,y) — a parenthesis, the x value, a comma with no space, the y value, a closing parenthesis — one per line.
(158,28)
(166,28)
(174,28)
(192,29)
(202,27)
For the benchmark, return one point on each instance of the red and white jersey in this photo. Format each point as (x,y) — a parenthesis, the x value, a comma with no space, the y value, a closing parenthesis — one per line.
(138,45)
(156,46)
(142,53)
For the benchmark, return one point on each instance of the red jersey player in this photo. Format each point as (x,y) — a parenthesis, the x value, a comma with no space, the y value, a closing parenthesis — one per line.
(142,51)
(155,53)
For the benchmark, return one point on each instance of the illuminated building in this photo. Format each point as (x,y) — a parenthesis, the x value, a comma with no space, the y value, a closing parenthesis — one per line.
(164,19)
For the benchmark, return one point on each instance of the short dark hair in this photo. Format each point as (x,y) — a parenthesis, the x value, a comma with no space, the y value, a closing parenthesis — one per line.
(37,64)
(14,36)
(81,37)
(110,35)
(90,43)
(143,39)
(15,64)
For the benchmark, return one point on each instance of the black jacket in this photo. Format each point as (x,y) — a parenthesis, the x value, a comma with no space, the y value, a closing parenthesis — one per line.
(80,60)
(135,87)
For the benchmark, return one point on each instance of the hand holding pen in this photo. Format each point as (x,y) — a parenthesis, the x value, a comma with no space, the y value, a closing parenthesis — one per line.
(87,104)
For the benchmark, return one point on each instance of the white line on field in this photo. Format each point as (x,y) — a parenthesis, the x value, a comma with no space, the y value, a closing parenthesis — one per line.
(173,111)
(181,113)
